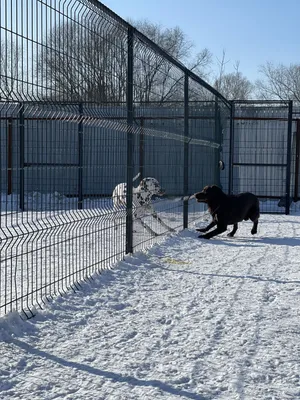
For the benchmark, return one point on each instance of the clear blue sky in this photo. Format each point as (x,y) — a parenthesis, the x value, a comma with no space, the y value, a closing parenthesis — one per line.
(250,31)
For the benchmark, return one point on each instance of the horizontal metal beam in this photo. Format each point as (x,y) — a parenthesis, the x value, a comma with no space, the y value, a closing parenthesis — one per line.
(258,165)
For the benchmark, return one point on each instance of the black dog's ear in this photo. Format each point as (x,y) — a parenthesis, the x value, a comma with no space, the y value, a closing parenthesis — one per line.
(215,188)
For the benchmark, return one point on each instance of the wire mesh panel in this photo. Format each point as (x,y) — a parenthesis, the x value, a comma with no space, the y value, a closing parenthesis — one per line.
(63,146)
(209,123)
(295,160)
(261,153)
(158,148)
(104,138)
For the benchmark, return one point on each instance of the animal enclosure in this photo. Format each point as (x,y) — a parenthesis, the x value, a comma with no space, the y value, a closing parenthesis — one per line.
(122,106)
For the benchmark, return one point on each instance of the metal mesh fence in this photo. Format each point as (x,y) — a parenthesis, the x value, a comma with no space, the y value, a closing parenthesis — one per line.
(104,136)
(295,155)
(261,152)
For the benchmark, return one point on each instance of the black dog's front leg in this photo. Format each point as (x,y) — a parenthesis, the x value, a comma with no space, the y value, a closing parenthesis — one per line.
(211,225)
(235,228)
(217,231)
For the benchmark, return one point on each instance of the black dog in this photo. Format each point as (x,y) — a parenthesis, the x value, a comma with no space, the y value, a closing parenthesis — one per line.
(228,210)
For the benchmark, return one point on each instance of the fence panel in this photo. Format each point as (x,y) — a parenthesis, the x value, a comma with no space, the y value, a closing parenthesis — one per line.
(295,166)
(87,103)
(261,152)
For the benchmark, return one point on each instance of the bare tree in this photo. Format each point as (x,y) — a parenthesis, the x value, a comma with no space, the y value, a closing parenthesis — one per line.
(279,82)
(83,64)
(156,78)
(10,59)
(175,42)
(233,86)
(91,64)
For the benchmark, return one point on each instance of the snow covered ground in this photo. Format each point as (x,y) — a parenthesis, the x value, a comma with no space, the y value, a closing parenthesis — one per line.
(52,246)
(188,319)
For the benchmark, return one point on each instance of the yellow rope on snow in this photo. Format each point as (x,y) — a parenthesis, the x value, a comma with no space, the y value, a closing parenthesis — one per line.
(173,261)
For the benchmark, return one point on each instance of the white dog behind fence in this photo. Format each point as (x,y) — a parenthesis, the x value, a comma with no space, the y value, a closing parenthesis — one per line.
(141,201)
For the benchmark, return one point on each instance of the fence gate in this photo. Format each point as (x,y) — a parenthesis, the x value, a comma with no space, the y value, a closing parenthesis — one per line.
(260,152)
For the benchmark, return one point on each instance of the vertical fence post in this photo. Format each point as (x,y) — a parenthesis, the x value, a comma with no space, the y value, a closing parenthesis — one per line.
(297,160)
(186,151)
(142,149)
(9,156)
(129,101)
(22,156)
(1,180)
(218,138)
(80,158)
(231,147)
(289,158)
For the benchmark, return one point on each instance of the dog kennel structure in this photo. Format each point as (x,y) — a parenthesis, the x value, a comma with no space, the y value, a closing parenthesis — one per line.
(123,105)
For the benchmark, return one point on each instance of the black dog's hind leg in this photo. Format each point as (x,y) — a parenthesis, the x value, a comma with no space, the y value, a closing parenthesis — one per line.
(211,225)
(254,229)
(235,228)
(217,231)
(254,216)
